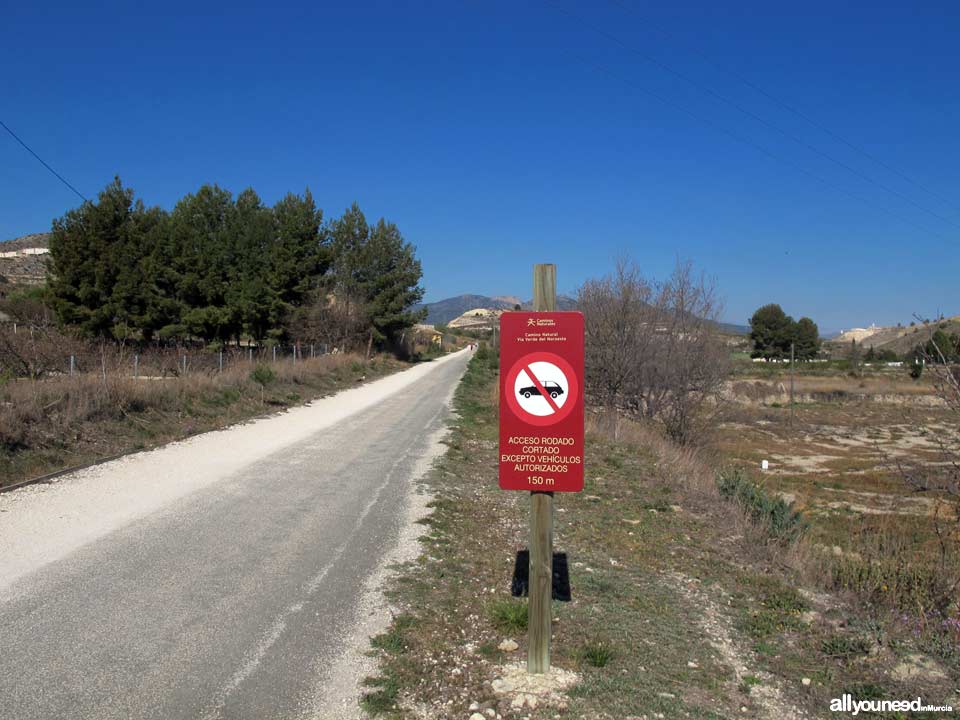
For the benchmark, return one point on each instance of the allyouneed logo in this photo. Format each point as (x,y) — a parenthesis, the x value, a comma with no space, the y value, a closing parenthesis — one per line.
(847,704)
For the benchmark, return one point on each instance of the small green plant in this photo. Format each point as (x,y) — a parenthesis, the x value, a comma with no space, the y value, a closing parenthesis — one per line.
(262,375)
(748,683)
(865,691)
(785,599)
(392,641)
(509,615)
(384,698)
(844,646)
(596,654)
(779,517)
(766,623)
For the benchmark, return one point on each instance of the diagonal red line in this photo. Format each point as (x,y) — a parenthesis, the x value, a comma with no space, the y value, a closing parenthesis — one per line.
(543,392)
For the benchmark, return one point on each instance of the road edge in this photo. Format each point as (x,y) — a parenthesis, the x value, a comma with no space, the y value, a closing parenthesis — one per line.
(340,690)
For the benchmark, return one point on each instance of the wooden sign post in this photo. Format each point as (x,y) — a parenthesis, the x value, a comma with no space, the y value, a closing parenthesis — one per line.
(541,519)
(541,432)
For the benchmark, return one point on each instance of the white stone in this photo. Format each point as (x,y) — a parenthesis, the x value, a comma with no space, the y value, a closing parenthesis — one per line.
(508,645)
(805,681)
(501,686)
(477,716)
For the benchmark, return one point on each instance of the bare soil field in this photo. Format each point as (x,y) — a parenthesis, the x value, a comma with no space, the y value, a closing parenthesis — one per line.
(844,455)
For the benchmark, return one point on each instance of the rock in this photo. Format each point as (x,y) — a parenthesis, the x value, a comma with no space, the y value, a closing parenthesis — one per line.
(477,716)
(508,645)
(806,682)
(474,706)
(692,664)
(490,712)
(501,686)
(666,695)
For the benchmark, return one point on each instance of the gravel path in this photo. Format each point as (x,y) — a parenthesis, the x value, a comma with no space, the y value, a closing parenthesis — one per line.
(234,574)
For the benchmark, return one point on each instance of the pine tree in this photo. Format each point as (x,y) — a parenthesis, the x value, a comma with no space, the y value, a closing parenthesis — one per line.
(806,338)
(97,262)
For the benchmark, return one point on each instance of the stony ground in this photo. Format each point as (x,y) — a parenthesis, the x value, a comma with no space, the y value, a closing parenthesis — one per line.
(679,609)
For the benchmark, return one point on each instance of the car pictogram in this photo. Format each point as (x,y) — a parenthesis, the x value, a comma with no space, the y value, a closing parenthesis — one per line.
(550,386)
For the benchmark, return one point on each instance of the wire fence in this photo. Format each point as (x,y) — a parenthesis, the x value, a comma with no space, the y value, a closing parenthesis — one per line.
(45,353)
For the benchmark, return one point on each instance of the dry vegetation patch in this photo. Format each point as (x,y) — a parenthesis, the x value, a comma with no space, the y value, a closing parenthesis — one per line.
(681,607)
(58,421)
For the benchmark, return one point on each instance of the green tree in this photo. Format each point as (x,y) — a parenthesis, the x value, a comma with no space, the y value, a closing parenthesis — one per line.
(299,254)
(806,336)
(856,359)
(252,296)
(204,261)
(771,331)
(378,268)
(941,348)
(98,258)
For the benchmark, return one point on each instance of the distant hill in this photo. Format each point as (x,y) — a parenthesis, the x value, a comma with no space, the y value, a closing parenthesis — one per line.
(900,338)
(444,311)
(23,261)
(36,240)
(733,329)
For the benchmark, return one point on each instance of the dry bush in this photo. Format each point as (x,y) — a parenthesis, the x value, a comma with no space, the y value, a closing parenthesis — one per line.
(334,321)
(940,479)
(653,349)
(684,467)
(57,410)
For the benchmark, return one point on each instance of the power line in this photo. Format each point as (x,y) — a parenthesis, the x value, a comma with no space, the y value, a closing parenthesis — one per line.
(56,174)
(795,111)
(749,113)
(756,146)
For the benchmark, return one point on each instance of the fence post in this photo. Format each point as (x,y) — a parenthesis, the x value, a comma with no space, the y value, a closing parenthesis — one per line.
(73,363)
(311,350)
(221,361)
(136,366)
(184,363)
(250,355)
(274,353)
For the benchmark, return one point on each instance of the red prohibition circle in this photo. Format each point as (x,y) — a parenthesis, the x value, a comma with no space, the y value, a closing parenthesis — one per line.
(572,389)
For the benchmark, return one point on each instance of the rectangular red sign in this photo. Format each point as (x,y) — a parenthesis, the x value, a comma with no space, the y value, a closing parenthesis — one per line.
(541,401)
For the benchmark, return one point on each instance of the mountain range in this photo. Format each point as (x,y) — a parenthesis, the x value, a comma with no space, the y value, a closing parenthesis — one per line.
(443,311)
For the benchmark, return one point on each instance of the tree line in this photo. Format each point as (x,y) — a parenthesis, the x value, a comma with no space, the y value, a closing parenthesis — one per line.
(774,333)
(220,269)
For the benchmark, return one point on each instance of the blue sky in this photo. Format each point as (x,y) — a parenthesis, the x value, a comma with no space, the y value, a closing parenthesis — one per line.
(500,134)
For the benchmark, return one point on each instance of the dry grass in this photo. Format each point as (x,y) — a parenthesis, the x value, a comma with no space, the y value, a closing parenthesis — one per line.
(874,539)
(57,421)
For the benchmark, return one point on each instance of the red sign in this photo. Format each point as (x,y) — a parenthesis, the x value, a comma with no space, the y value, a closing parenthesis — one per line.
(541,401)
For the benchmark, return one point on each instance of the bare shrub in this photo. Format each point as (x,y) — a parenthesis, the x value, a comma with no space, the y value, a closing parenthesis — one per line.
(941,479)
(653,349)
(335,321)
